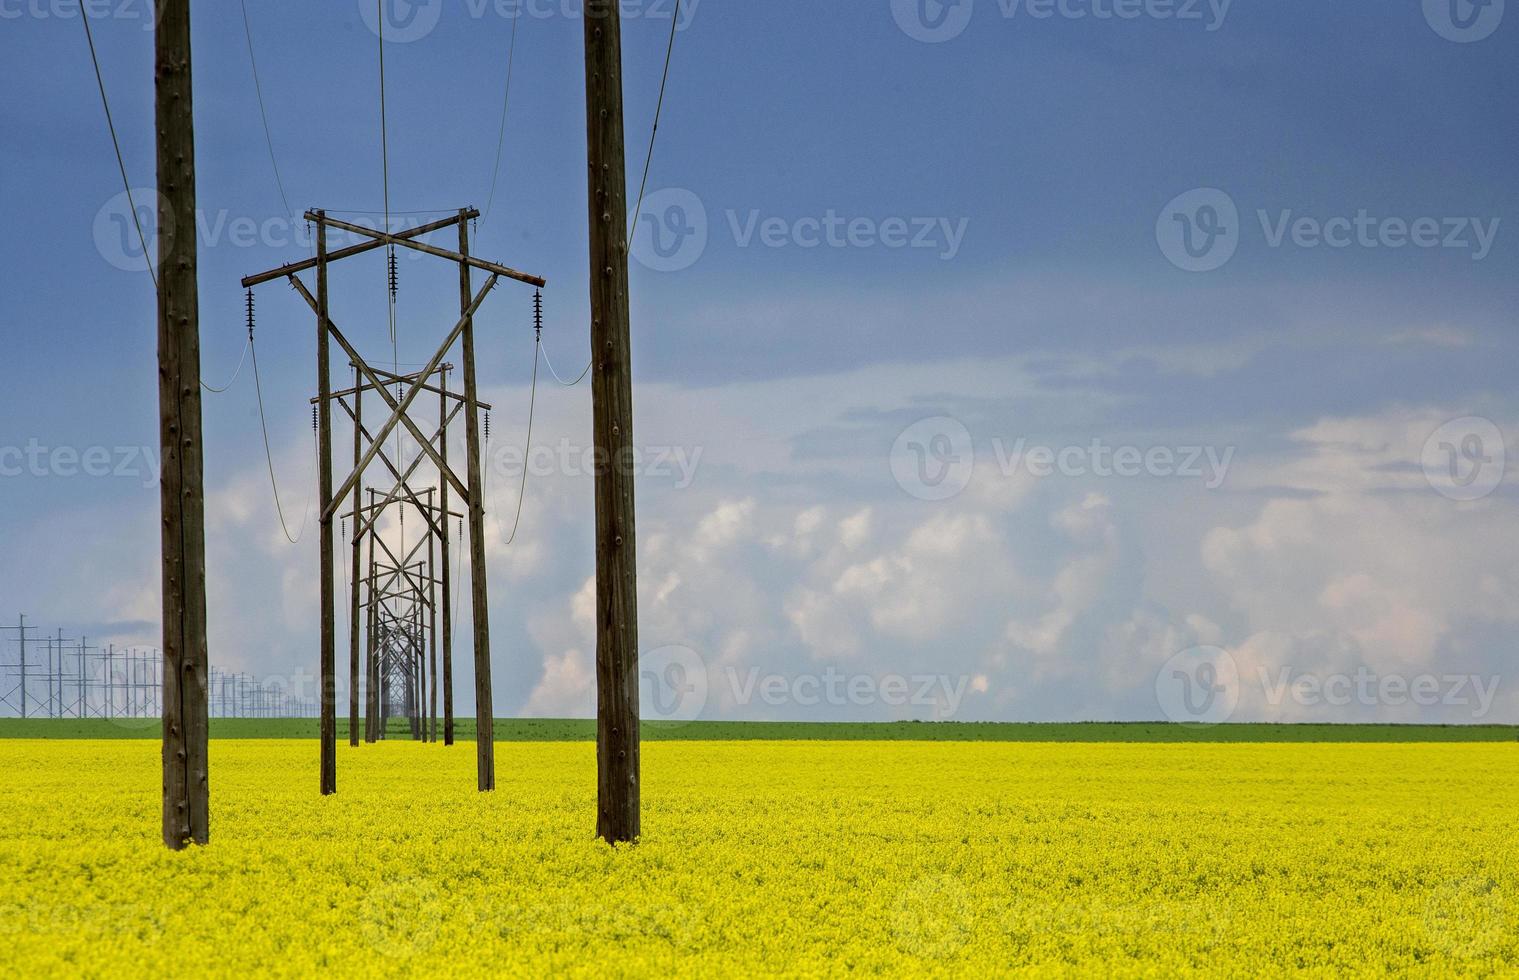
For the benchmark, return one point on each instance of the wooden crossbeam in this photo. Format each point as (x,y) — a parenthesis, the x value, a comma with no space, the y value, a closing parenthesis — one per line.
(352,250)
(385,238)
(405,379)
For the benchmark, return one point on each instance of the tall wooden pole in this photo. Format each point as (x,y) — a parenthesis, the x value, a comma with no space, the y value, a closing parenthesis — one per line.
(329,724)
(448,586)
(186,794)
(617,746)
(355,559)
(485,736)
(432,607)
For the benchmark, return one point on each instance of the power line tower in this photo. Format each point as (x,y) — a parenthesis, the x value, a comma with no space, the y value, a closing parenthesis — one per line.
(369,444)
(15,698)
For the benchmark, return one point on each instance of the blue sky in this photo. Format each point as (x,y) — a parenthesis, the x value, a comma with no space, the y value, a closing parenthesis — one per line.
(1005,199)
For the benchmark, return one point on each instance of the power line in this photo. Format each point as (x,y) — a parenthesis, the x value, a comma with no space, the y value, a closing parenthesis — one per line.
(385,167)
(568,384)
(527,453)
(263,114)
(506,101)
(116,143)
(233,380)
(642,184)
(658,108)
(269,455)
(126,184)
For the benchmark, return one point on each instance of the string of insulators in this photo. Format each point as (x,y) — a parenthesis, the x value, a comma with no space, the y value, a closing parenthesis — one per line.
(487,426)
(250,314)
(395,277)
(313,418)
(345,529)
(538,312)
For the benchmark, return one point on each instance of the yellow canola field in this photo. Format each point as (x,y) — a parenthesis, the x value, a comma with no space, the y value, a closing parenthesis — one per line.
(817,858)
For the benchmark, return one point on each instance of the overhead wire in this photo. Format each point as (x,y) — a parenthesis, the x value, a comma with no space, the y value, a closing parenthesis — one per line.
(116,143)
(643,182)
(263,113)
(126,184)
(658,109)
(506,102)
(527,454)
(269,454)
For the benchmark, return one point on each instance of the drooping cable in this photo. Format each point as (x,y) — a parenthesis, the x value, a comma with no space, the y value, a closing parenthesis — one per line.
(506,102)
(658,109)
(263,113)
(116,143)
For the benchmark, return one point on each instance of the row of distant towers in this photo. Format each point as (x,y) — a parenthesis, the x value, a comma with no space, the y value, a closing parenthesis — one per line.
(57,676)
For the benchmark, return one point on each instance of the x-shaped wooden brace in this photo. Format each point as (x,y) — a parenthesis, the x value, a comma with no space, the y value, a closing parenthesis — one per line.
(398,411)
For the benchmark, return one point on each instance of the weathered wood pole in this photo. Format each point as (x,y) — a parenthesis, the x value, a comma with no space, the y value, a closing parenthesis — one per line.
(186,792)
(485,736)
(357,557)
(329,724)
(432,612)
(448,587)
(617,735)
(372,673)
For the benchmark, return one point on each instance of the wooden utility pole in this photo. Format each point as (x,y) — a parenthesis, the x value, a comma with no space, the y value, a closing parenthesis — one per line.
(329,723)
(485,736)
(186,794)
(443,548)
(355,558)
(617,736)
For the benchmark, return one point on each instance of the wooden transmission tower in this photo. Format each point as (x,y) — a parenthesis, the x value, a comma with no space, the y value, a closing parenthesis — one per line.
(369,446)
